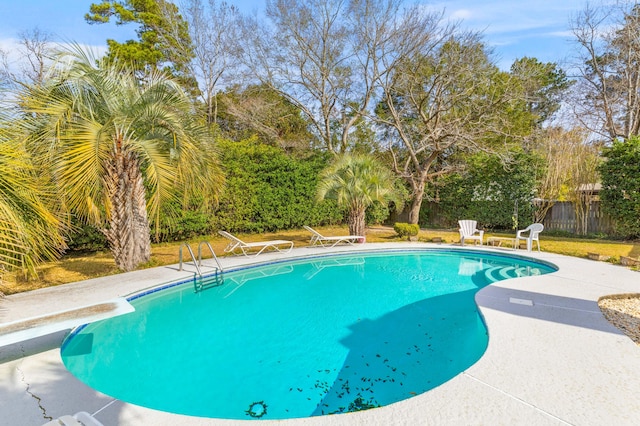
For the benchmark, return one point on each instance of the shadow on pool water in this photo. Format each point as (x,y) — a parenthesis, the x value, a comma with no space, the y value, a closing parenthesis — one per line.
(405,353)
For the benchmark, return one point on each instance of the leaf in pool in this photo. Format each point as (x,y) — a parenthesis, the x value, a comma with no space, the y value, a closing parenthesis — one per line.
(257,409)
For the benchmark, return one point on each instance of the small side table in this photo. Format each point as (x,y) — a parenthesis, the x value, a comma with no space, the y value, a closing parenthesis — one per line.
(497,241)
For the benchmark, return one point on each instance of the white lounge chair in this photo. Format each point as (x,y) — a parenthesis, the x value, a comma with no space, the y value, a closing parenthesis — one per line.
(318,238)
(237,244)
(468,230)
(534,231)
(79,419)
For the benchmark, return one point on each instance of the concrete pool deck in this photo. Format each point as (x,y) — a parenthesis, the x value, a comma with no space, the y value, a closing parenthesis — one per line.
(552,358)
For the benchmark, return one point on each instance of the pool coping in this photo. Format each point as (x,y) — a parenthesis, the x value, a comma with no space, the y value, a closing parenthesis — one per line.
(551,360)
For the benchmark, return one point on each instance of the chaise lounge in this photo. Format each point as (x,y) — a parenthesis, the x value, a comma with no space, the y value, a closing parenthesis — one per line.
(282,246)
(318,238)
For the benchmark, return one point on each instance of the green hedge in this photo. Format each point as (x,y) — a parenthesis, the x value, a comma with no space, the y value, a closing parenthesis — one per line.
(488,192)
(268,190)
(620,194)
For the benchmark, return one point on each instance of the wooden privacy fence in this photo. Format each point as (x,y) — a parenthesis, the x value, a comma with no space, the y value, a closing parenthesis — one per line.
(562,217)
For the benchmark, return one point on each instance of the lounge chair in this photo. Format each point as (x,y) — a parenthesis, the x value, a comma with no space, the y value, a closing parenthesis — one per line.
(79,419)
(468,230)
(283,246)
(534,231)
(318,238)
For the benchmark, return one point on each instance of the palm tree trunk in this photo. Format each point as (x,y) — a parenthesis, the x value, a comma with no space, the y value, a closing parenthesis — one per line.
(128,233)
(356,221)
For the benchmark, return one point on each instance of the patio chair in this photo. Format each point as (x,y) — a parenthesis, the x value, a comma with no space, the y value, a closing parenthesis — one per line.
(534,231)
(79,419)
(282,246)
(468,230)
(318,238)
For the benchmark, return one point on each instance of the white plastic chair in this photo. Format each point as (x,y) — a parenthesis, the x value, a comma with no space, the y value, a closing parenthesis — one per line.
(534,231)
(468,229)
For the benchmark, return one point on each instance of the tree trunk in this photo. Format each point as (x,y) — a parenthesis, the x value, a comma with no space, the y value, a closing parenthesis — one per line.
(356,221)
(128,233)
(416,203)
(541,210)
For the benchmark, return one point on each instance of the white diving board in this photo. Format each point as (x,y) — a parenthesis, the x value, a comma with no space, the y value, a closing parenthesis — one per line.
(29,328)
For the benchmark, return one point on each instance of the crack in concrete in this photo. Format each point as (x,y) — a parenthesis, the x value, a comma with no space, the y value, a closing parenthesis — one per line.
(515,398)
(34,396)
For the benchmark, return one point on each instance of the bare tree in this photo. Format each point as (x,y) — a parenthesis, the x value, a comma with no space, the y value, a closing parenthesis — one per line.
(607,96)
(559,150)
(30,61)
(259,110)
(570,174)
(328,56)
(214,32)
(448,98)
(303,54)
(583,176)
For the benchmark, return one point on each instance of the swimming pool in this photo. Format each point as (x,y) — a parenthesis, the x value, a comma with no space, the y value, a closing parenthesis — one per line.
(298,338)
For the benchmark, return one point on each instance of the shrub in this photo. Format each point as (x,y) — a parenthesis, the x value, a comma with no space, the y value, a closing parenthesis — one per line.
(489,192)
(193,220)
(620,194)
(376,213)
(86,238)
(268,190)
(406,229)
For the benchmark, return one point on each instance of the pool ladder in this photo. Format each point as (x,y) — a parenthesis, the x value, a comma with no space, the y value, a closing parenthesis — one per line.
(198,281)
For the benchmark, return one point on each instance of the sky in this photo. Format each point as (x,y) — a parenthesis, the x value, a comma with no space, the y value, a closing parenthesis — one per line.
(513,28)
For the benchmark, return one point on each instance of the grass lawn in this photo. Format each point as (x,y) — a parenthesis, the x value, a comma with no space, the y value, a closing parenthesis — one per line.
(81,266)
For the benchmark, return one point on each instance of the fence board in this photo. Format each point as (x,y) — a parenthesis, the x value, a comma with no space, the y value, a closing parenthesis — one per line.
(560,217)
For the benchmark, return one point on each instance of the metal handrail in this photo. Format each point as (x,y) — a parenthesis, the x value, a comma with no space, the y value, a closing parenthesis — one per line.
(199,286)
(212,253)
(193,257)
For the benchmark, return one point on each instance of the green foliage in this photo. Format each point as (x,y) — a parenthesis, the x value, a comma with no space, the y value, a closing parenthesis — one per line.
(268,190)
(261,111)
(376,213)
(87,238)
(163,36)
(620,193)
(406,229)
(195,218)
(356,181)
(31,230)
(543,86)
(490,191)
(101,133)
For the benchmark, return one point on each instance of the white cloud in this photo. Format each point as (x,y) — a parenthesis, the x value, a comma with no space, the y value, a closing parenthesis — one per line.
(463,14)
(500,16)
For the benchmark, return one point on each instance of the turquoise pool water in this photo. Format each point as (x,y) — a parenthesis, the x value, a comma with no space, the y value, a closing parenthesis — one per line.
(297,339)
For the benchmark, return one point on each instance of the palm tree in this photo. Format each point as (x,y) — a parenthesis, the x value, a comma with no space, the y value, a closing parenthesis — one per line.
(30,231)
(356,181)
(119,148)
